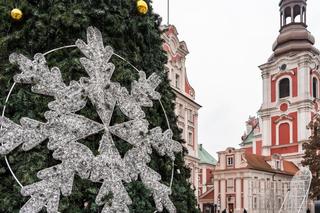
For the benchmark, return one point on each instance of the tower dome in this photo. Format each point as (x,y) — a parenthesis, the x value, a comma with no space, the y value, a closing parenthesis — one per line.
(294,36)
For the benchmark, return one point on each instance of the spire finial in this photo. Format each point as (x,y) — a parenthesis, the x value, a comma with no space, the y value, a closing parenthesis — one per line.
(294,36)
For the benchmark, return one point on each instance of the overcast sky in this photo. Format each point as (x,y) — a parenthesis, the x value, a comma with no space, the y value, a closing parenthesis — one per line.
(227,41)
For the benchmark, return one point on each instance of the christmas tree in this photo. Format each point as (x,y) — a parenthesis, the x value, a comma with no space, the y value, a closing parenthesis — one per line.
(312,157)
(46,25)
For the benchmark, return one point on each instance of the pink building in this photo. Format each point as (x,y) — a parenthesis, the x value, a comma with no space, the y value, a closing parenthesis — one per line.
(248,181)
(186,106)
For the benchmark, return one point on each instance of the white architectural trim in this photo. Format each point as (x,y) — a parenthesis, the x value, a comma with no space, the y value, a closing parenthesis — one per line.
(288,72)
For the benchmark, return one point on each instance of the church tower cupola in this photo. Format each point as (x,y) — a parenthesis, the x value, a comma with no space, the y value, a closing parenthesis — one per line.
(294,36)
(293,11)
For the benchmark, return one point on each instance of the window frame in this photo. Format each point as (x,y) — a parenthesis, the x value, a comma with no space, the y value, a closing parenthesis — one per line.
(177,81)
(279,89)
(190,115)
(231,157)
(315,88)
(190,138)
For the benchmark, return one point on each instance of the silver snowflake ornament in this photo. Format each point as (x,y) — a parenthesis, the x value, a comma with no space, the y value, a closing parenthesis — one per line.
(64,128)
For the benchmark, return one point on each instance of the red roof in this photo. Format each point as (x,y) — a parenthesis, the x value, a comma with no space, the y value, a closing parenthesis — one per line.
(259,162)
(207,195)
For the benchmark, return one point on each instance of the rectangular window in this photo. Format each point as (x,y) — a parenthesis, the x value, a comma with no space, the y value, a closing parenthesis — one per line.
(230,185)
(181,111)
(278,167)
(177,81)
(190,138)
(230,161)
(255,203)
(189,114)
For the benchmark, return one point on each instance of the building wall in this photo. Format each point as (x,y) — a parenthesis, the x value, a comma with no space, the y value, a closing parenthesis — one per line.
(239,187)
(186,107)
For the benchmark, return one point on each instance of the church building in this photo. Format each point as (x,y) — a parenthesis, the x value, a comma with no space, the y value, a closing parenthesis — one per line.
(290,89)
(256,177)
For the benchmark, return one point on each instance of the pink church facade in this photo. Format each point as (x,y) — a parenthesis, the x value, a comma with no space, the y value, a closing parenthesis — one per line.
(290,89)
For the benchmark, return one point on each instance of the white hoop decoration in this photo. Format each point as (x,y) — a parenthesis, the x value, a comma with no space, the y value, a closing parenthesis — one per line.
(64,128)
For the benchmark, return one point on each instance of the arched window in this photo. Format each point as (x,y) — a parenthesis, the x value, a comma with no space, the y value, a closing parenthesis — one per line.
(284,88)
(314,87)
(284,133)
(287,16)
(297,14)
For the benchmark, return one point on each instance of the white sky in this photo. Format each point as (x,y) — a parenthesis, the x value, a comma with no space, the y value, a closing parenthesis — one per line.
(227,41)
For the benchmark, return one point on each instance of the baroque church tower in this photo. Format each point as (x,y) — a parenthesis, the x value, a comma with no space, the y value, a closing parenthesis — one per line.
(291,89)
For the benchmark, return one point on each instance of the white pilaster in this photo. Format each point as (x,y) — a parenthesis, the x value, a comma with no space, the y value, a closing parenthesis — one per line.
(238,195)
(303,80)
(216,191)
(304,117)
(246,194)
(223,194)
(266,135)
(195,142)
(266,89)
(204,180)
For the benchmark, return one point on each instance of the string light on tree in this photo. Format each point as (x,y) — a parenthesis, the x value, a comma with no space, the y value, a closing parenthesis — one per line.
(142,7)
(16,14)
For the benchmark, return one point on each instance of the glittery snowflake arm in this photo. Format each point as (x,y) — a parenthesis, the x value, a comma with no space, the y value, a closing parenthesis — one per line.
(37,72)
(110,168)
(76,159)
(163,143)
(132,131)
(97,58)
(160,192)
(128,105)
(136,161)
(144,89)
(96,64)
(69,99)
(136,133)
(13,135)
(49,82)
(65,128)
